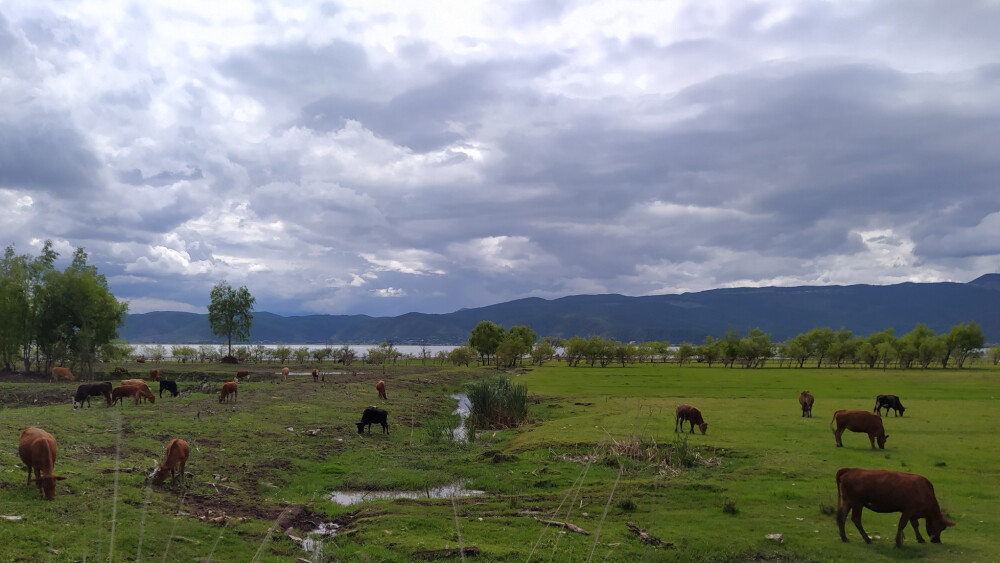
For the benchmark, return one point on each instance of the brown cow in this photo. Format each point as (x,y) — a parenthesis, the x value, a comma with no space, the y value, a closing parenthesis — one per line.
(228,388)
(381,390)
(37,449)
(241,375)
(284,374)
(119,393)
(154,374)
(806,402)
(175,459)
(315,375)
(139,383)
(687,413)
(60,373)
(859,421)
(881,490)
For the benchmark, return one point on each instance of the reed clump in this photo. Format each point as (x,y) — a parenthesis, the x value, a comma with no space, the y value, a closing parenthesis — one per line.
(497,403)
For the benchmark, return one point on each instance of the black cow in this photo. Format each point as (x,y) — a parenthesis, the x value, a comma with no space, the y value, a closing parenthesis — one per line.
(888,402)
(167,385)
(87,390)
(371,416)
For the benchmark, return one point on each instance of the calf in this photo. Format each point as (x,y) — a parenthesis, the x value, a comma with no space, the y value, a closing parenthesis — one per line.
(687,413)
(37,449)
(60,373)
(373,415)
(174,460)
(241,375)
(167,385)
(87,390)
(859,421)
(284,374)
(154,374)
(881,490)
(229,388)
(888,402)
(315,375)
(380,386)
(138,383)
(806,402)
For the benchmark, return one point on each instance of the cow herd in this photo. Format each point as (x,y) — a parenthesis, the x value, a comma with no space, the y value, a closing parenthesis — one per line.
(37,448)
(878,490)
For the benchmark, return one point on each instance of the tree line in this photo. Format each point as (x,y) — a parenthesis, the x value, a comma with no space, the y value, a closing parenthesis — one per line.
(920,347)
(49,316)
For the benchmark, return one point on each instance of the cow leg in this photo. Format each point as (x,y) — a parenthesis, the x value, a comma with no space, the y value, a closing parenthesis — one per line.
(899,529)
(842,519)
(677,419)
(856,518)
(837,434)
(916,529)
(871,438)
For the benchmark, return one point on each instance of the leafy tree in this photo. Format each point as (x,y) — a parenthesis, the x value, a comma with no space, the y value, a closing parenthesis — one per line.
(994,354)
(964,339)
(542,352)
(797,349)
(282,353)
(321,354)
(461,356)
(576,349)
(229,313)
(685,352)
(730,347)
(301,354)
(184,353)
(711,350)
(820,340)
(509,351)
(932,350)
(485,339)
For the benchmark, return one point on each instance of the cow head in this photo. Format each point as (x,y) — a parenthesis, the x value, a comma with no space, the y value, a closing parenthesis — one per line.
(937,525)
(47,485)
(881,438)
(361,427)
(703,427)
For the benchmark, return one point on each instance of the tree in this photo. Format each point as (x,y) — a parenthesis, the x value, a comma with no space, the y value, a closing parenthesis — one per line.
(229,313)
(964,339)
(684,352)
(485,339)
(711,350)
(543,351)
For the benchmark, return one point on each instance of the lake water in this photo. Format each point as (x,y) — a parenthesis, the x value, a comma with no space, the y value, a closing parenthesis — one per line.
(359,349)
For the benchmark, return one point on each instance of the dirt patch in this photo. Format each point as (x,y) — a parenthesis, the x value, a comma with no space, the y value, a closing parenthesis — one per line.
(36,393)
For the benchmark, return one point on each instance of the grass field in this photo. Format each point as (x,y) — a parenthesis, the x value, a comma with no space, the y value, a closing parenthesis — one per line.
(600,451)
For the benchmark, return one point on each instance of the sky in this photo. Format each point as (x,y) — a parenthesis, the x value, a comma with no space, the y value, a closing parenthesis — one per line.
(381,158)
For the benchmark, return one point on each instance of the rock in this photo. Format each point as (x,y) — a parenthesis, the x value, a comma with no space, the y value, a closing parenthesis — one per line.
(776,537)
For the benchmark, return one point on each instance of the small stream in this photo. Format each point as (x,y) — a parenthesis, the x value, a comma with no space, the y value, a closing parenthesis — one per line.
(347,498)
(462,410)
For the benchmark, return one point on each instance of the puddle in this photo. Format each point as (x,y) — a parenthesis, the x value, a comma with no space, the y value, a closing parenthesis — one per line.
(313,542)
(309,373)
(462,410)
(347,498)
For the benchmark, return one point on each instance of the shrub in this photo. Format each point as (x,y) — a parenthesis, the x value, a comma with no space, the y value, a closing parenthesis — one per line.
(497,403)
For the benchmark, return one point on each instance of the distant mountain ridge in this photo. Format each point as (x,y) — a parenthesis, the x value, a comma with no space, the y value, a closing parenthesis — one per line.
(781,311)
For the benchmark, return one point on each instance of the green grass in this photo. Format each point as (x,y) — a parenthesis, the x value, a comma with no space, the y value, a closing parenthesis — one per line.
(597,439)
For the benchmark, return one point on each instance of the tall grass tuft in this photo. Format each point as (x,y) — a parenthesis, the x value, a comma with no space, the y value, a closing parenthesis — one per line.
(497,403)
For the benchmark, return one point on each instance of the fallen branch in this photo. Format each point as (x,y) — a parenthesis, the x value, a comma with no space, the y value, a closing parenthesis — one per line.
(567,525)
(646,538)
(434,553)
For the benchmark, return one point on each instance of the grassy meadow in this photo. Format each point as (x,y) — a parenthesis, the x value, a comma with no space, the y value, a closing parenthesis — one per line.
(599,451)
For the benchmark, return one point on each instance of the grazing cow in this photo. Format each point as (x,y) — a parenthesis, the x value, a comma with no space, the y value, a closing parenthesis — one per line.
(284,374)
(167,385)
(888,402)
(315,375)
(381,390)
(87,390)
(139,383)
(228,388)
(175,459)
(687,413)
(60,373)
(241,375)
(806,402)
(881,490)
(859,421)
(119,393)
(371,416)
(154,374)
(37,449)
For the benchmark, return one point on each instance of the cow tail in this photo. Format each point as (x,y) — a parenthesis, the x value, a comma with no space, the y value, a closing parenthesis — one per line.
(840,487)
(831,429)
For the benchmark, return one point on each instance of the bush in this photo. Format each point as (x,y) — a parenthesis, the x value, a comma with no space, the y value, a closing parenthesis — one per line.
(497,403)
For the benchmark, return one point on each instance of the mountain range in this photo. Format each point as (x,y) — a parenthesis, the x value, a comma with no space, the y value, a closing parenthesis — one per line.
(782,312)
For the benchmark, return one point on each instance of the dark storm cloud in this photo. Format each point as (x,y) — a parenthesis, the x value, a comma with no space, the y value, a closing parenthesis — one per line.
(46,153)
